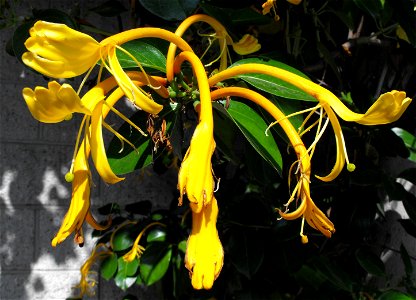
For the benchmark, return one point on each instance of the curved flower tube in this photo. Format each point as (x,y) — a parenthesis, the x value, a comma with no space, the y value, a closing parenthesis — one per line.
(55,103)
(56,50)
(388,107)
(307,208)
(220,31)
(195,175)
(204,256)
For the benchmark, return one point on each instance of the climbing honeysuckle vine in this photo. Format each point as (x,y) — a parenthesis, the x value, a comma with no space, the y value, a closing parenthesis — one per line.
(58,51)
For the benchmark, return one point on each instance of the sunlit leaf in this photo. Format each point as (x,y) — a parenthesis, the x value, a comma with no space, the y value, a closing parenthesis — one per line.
(149,52)
(124,237)
(394,295)
(272,85)
(156,235)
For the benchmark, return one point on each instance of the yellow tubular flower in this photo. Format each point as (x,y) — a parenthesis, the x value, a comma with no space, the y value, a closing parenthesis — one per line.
(388,108)
(307,208)
(87,283)
(55,103)
(195,175)
(204,256)
(247,45)
(56,50)
(80,201)
(220,31)
(137,250)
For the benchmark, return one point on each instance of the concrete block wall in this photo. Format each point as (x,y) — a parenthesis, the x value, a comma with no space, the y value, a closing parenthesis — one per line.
(34,195)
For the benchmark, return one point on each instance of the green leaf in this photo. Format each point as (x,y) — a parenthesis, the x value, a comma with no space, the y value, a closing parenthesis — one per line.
(271,84)
(253,127)
(370,262)
(171,10)
(246,253)
(394,295)
(149,52)
(182,246)
(110,8)
(409,140)
(55,16)
(406,260)
(128,269)
(409,226)
(310,276)
(109,266)
(155,262)
(124,237)
(157,235)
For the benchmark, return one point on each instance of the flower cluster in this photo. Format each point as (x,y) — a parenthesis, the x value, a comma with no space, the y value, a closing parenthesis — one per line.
(58,51)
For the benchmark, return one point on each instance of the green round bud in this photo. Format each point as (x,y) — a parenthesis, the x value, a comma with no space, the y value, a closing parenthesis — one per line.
(351,167)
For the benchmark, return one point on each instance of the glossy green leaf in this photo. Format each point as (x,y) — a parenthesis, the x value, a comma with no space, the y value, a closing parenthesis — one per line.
(273,85)
(128,269)
(157,235)
(155,262)
(370,262)
(253,127)
(409,140)
(171,10)
(149,52)
(182,246)
(309,276)
(109,267)
(55,16)
(124,237)
(394,295)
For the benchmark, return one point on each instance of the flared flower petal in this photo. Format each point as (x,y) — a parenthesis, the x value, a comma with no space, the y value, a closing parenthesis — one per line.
(131,90)
(55,103)
(204,256)
(267,6)
(80,200)
(247,45)
(195,174)
(59,51)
